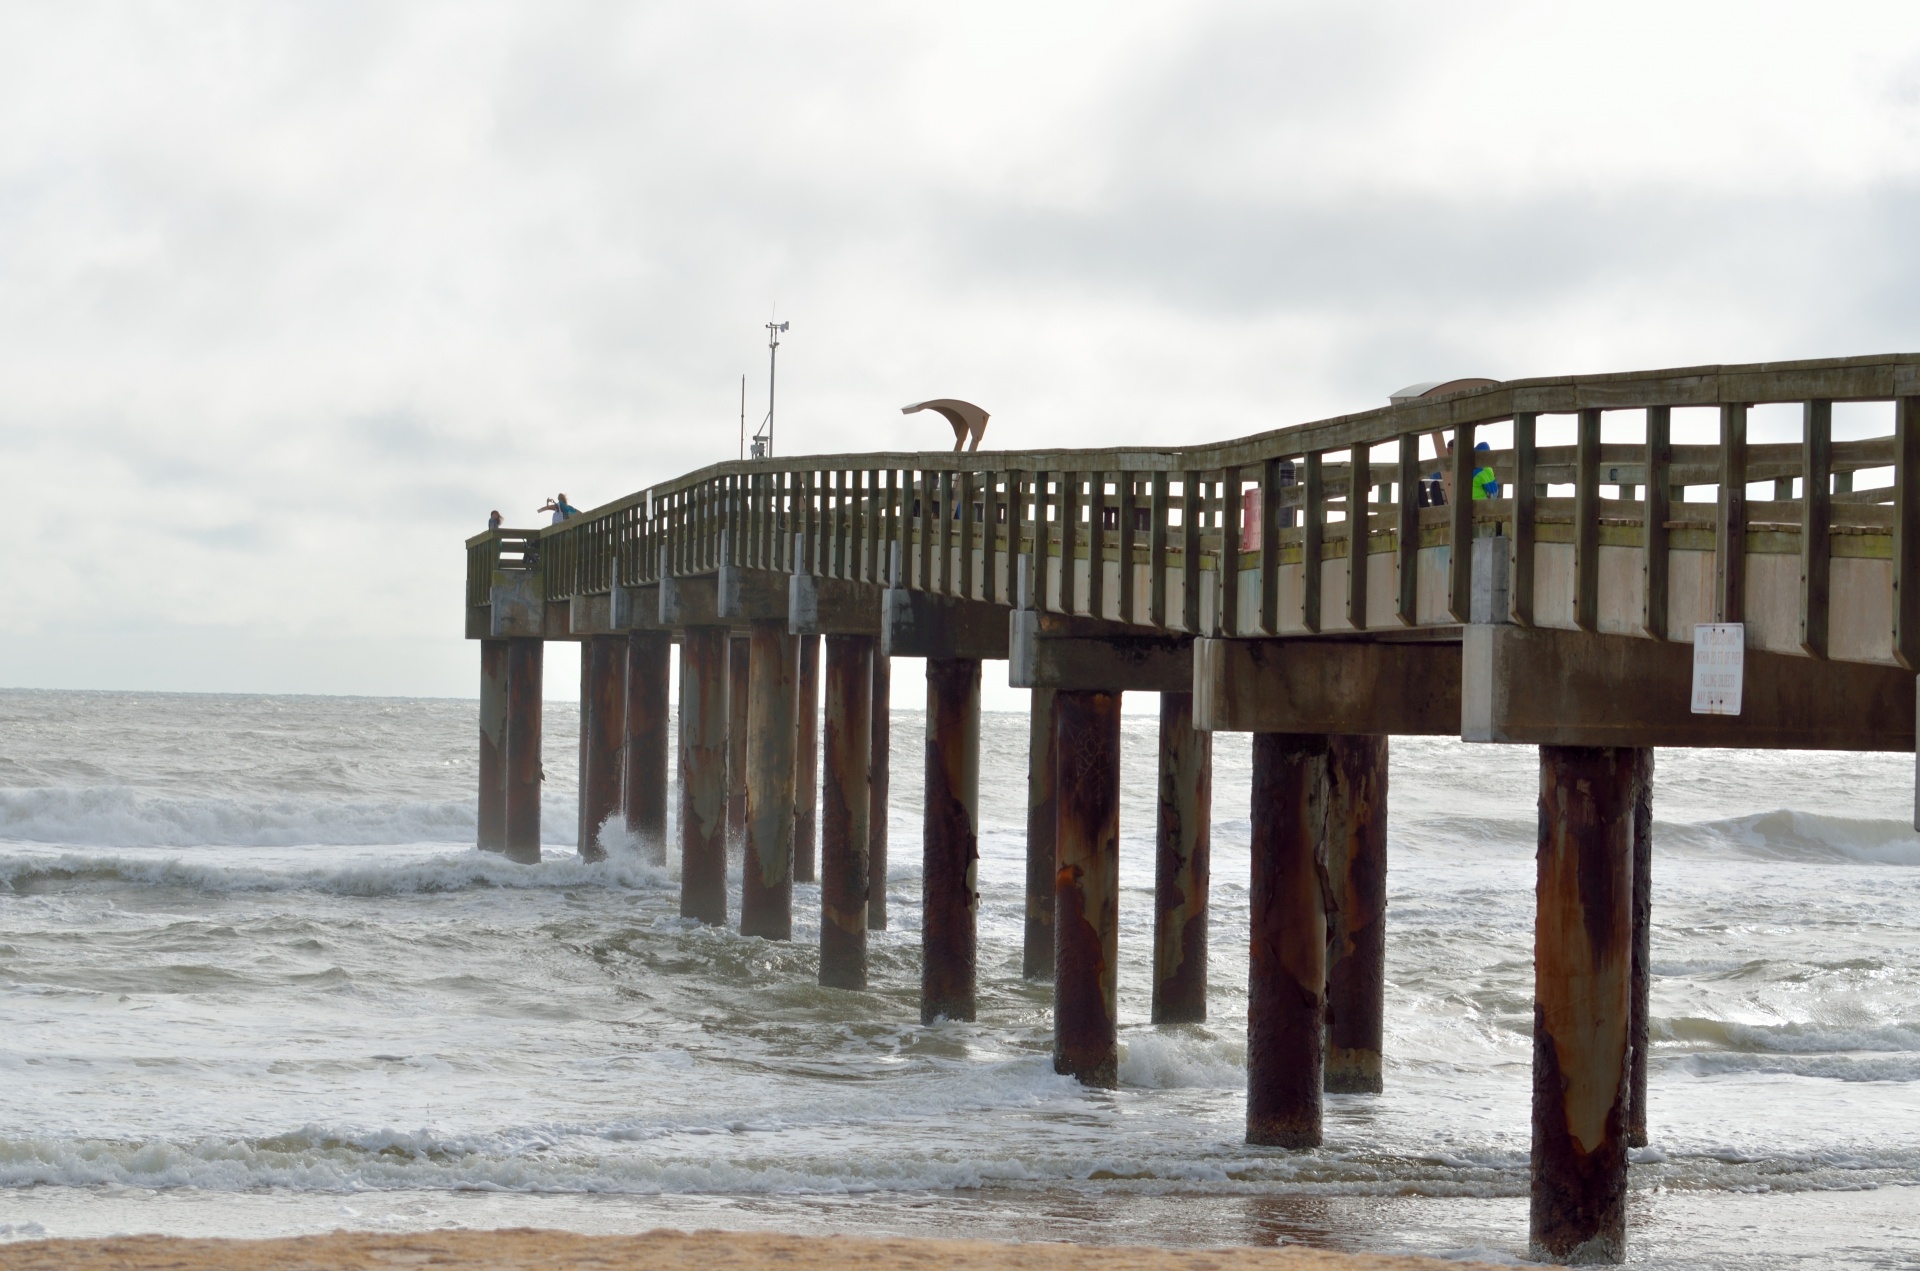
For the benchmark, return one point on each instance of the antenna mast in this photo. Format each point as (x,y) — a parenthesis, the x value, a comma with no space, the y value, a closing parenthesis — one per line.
(743,416)
(763,439)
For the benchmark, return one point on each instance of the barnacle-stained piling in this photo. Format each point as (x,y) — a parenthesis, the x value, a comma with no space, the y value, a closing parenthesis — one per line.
(950,862)
(603,701)
(766,875)
(1287,974)
(1036,962)
(643,790)
(525,658)
(492,827)
(806,761)
(845,805)
(1182,865)
(1642,974)
(704,675)
(1357,917)
(1086,898)
(879,769)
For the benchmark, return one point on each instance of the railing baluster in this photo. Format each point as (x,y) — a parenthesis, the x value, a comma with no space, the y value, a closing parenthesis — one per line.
(1653,520)
(1097,544)
(1190,504)
(1406,536)
(1906,532)
(963,508)
(1460,535)
(1270,495)
(1124,493)
(1230,535)
(1816,514)
(1525,505)
(1359,523)
(1157,514)
(1730,523)
(1313,531)
(1016,517)
(1068,532)
(1586,523)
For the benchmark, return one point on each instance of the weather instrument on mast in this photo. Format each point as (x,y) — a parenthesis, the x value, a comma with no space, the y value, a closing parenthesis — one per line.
(763,439)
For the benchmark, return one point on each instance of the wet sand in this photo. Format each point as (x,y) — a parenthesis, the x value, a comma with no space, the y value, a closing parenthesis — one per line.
(516,1248)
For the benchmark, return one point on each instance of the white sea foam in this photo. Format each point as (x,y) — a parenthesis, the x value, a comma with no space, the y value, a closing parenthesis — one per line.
(442,873)
(1809,837)
(119,816)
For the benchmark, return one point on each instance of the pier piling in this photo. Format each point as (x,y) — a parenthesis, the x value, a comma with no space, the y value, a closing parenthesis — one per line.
(738,658)
(1037,956)
(704,662)
(1086,902)
(1642,974)
(766,876)
(643,789)
(1182,865)
(845,805)
(1583,953)
(525,657)
(1287,973)
(1357,918)
(493,746)
(603,701)
(949,876)
(806,761)
(879,770)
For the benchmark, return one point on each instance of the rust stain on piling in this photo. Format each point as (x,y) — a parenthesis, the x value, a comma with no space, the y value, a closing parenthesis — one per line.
(1583,938)
(879,770)
(643,799)
(739,650)
(1641,974)
(949,884)
(1287,971)
(806,761)
(1036,961)
(766,875)
(492,818)
(1086,885)
(603,727)
(845,803)
(1357,916)
(1182,865)
(524,661)
(704,731)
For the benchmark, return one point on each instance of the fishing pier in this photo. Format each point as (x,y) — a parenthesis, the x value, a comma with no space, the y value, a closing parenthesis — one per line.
(1298,585)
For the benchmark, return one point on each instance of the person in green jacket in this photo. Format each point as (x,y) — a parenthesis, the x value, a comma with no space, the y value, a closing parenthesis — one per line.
(1485,484)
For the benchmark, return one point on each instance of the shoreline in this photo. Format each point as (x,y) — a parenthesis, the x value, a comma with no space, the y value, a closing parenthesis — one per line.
(514,1248)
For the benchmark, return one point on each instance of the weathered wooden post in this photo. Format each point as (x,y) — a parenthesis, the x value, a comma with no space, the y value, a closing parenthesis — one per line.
(1582,960)
(737,698)
(950,840)
(1357,921)
(493,746)
(525,656)
(806,761)
(704,675)
(879,761)
(1287,975)
(1642,943)
(1086,899)
(846,803)
(643,797)
(603,700)
(1036,962)
(1182,864)
(766,877)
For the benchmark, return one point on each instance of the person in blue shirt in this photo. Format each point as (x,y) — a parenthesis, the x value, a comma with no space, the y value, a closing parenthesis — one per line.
(560,508)
(1485,484)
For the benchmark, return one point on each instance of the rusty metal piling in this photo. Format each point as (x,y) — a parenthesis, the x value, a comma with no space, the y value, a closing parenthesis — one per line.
(1357,919)
(704,674)
(643,791)
(949,876)
(1037,956)
(845,804)
(879,769)
(806,761)
(738,657)
(1086,899)
(1182,864)
(525,657)
(1582,955)
(766,875)
(492,827)
(1642,973)
(603,728)
(1287,972)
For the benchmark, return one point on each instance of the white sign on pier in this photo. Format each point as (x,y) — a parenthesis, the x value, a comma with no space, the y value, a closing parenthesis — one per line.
(1719,664)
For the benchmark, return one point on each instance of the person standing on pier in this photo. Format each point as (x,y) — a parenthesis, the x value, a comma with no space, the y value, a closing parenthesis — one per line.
(560,508)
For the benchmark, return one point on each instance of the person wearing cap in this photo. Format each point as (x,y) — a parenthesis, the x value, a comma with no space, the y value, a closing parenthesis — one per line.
(1485,484)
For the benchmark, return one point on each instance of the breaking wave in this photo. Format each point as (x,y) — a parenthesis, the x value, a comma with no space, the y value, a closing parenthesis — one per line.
(416,875)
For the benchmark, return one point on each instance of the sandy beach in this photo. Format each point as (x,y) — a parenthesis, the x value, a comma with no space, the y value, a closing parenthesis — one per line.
(516,1248)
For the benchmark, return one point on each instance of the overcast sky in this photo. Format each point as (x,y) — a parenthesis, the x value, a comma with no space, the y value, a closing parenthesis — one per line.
(292,295)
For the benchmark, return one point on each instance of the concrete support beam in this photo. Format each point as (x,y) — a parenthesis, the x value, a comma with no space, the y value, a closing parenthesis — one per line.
(879,773)
(518,610)
(1086,898)
(1326,686)
(806,761)
(1182,865)
(1582,954)
(524,774)
(703,774)
(846,804)
(739,650)
(949,876)
(1048,650)
(643,789)
(690,602)
(1642,972)
(766,875)
(829,606)
(1036,962)
(751,595)
(916,624)
(603,729)
(1287,972)
(1540,686)
(1357,919)
(493,746)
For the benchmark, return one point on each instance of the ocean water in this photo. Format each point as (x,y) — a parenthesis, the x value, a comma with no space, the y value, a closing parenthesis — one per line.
(254,979)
